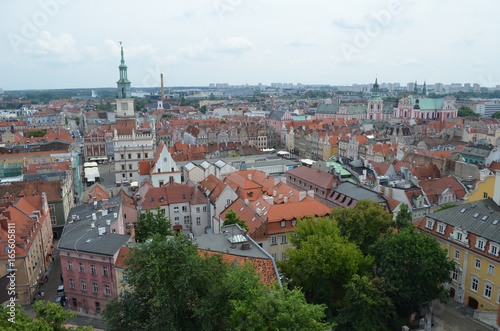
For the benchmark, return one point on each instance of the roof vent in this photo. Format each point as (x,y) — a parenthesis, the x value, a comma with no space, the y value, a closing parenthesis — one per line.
(115,215)
(108,222)
(102,230)
(94,217)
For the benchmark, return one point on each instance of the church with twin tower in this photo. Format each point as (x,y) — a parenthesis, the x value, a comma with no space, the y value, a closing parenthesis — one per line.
(132,142)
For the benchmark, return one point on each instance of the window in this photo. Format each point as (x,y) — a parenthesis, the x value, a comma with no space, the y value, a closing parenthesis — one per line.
(176,220)
(228,202)
(459,236)
(95,288)
(130,174)
(72,283)
(123,167)
(491,269)
(283,256)
(93,269)
(454,276)
(283,224)
(107,289)
(283,239)
(429,224)
(457,254)
(139,156)
(81,267)
(198,220)
(184,209)
(477,264)
(273,241)
(294,222)
(474,284)
(129,156)
(480,244)
(273,256)
(493,249)
(441,228)
(122,156)
(145,155)
(197,210)
(186,219)
(84,285)
(97,307)
(52,208)
(487,290)
(105,271)
(485,195)
(52,220)
(70,265)
(176,210)
(123,175)
(204,209)
(129,167)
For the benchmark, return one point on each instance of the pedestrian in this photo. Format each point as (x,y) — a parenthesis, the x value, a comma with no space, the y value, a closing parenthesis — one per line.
(42,294)
(46,278)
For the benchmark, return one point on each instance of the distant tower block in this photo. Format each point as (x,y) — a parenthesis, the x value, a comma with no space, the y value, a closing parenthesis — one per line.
(160,101)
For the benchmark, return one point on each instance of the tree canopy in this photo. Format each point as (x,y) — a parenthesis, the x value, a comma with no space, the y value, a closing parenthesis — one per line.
(415,266)
(322,262)
(173,287)
(150,223)
(496,115)
(232,218)
(464,111)
(364,223)
(36,133)
(49,316)
(404,217)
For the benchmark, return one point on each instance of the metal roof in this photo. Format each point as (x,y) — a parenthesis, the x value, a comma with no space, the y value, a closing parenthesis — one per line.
(485,224)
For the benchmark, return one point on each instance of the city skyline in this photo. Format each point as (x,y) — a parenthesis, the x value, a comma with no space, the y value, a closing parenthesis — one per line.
(63,44)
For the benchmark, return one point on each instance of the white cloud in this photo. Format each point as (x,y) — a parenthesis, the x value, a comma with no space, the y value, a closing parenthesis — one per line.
(60,48)
(234,45)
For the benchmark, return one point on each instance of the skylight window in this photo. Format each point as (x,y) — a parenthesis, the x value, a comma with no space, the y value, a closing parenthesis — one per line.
(476,215)
(266,212)
(495,222)
(258,203)
(484,218)
(463,210)
(242,208)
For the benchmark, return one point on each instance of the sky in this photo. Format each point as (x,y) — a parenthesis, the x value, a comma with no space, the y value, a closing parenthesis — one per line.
(49,44)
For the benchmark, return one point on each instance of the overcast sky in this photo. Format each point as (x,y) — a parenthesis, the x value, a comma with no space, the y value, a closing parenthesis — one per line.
(74,44)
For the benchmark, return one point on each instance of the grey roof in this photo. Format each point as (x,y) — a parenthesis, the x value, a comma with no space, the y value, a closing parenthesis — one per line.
(462,217)
(79,236)
(358,193)
(277,114)
(220,243)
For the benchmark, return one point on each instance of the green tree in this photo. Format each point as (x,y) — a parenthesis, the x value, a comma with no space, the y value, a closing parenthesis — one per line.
(415,265)
(49,316)
(211,97)
(496,115)
(232,218)
(321,262)
(367,306)
(173,287)
(464,111)
(150,223)
(66,121)
(281,309)
(363,224)
(445,207)
(223,122)
(36,133)
(77,121)
(203,109)
(404,217)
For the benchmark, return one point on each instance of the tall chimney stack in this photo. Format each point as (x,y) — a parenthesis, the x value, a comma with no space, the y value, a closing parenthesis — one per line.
(162,91)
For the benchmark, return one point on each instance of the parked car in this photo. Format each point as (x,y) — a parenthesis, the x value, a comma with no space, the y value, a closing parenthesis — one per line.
(60,291)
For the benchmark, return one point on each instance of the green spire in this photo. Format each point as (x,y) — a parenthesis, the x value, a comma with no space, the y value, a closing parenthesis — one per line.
(123,84)
(375,92)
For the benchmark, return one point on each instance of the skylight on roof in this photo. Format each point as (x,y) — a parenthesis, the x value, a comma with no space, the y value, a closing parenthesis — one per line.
(258,203)
(495,222)
(484,218)
(476,215)
(290,191)
(266,212)
(242,208)
(463,210)
(264,208)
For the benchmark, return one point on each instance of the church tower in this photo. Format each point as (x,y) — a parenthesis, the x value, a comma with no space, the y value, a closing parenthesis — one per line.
(375,104)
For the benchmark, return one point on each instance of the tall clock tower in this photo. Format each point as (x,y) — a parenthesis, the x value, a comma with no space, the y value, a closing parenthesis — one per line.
(132,143)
